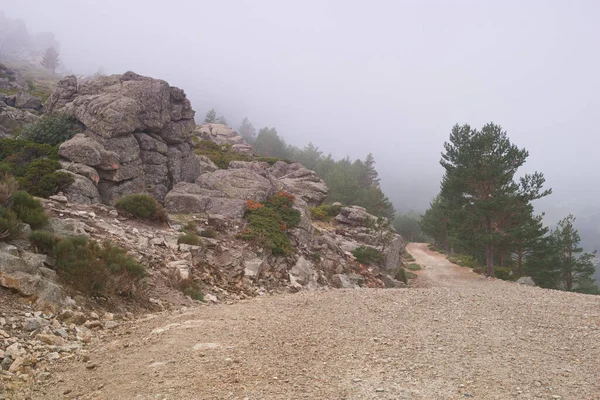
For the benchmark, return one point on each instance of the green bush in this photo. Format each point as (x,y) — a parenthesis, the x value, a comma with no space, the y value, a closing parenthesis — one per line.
(368,255)
(34,166)
(42,179)
(142,206)
(408,257)
(192,288)
(93,268)
(8,186)
(43,241)
(504,273)
(413,267)
(410,275)
(52,129)
(324,212)
(221,155)
(189,238)
(29,210)
(190,227)
(9,224)
(209,233)
(464,260)
(268,223)
(400,275)
(479,270)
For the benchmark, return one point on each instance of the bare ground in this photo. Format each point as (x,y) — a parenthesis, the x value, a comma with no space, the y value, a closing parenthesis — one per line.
(456,335)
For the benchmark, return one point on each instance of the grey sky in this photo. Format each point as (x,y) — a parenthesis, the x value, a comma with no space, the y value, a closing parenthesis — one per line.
(390,77)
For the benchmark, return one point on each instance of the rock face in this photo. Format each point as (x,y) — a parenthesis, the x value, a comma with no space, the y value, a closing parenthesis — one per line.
(137,135)
(11,80)
(222,134)
(526,280)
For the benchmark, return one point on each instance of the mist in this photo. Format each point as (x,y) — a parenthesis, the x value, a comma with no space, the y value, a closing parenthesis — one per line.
(386,77)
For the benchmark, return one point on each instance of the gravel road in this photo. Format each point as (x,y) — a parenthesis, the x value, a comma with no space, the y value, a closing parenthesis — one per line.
(456,335)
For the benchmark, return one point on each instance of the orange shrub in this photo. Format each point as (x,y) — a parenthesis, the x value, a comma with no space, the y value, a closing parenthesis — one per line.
(283,193)
(253,205)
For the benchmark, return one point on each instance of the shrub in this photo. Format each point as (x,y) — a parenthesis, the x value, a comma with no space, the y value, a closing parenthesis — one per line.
(479,270)
(408,257)
(29,210)
(221,155)
(9,224)
(42,178)
(414,267)
(43,241)
(368,255)
(400,275)
(464,260)
(94,268)
(191,288)
(268,224)
(410,275)
(209,233)
(8,186)
(142,206)
(189,238)
(325,212)
(52,129)
(253,205)
(190,227)
(504,273)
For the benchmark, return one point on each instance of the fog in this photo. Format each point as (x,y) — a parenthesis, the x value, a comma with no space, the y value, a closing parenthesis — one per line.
(388,77)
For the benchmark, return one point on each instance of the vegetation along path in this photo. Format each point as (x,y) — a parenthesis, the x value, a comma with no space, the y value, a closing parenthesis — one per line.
(457,336)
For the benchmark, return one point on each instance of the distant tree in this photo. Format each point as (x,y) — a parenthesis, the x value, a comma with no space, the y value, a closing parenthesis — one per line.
(479,186)
(221,120)
(50,59)
(247,131)
(211,117)
(371,173)
(574,265)
(434,222)
(408,226)
(269,144)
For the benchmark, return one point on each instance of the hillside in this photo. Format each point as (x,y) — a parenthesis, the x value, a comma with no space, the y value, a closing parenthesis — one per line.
(458,336)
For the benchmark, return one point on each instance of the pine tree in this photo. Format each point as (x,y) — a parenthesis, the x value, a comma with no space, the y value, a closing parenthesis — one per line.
(483,198)
(222,120)
(434,222)
(371,174)
(50,59)
(574,265)
(247,131)
(211,117)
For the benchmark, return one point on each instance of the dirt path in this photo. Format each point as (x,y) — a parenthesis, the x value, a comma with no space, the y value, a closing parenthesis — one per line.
(462,336)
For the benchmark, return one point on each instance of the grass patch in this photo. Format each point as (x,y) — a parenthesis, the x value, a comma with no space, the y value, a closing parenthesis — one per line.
(413,267)
(325,212)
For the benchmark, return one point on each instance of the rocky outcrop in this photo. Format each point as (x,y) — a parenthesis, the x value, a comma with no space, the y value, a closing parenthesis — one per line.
(137,133)
(224,135)
(11,80)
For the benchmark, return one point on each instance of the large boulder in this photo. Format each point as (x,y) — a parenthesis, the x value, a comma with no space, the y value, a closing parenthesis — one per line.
(354,216)
(137,134)
(192,198)
(238,183)
(28,101)
(11,79)
(224,135)
(300,181)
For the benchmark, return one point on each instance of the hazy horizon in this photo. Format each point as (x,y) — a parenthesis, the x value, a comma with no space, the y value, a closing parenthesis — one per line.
(390,78)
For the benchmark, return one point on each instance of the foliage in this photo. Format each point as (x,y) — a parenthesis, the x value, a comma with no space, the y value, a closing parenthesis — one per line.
(268,225)
(8,186)
(52,129)
(42,178)
(50,59)
(189,238)
(479,270)
(9,224)
(191,288)
(253,205)
(408,257)
(93,268)
(247,131)
(29,210)
(211,117)
(34,166)
(325,212)
(43,241)
(142,206)
(484,205)
(561,262)
(209,233)
(413,267)
(410,275)
(464,260)
(221,155)
(504,273)
(400,275)
(368,255)
(409,227)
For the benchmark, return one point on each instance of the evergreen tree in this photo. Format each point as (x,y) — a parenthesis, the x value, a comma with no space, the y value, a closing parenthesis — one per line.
(50,59)
(371,175)
(482,196)
(221,120)
(575,266)
(211,117)
(434,222)
(408,226)
(247,131)
(269,144)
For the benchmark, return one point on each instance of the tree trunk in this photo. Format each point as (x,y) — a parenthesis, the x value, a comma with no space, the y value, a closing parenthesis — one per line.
(502,259)
(451,251)
(490,260)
